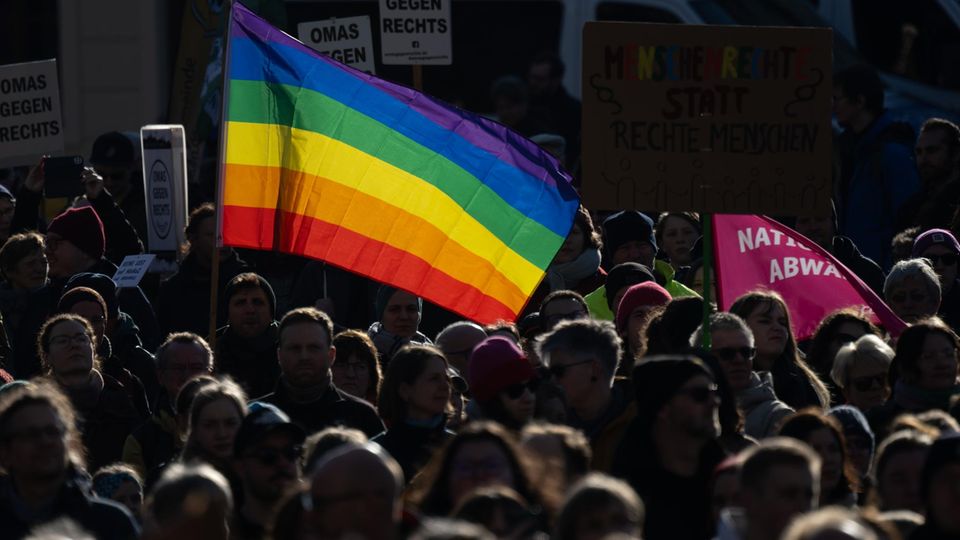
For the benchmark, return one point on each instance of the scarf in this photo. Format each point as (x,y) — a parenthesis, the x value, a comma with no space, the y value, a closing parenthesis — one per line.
(917,399)
(569,274)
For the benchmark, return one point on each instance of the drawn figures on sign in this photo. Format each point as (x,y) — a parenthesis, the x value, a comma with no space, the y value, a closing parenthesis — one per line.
(161,199)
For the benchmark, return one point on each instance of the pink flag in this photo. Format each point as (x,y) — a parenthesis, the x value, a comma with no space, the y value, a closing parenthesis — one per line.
(756,252)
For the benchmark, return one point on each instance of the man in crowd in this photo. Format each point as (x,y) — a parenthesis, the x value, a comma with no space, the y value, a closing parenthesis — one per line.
(41,454)
(355,493)
(937,152)
(547,94)
(457,340)
(246,346)
(940,247)
(180,358)
(305,390)
(582,357)
(398,321)
(267,460)
(560,306)
(114,157)
(823,231)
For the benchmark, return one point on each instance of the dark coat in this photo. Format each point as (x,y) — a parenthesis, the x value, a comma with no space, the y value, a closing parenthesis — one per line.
(128,347)
(133,302)
(183,304)
(793,387)
(865,268)
(333,408)
(412,446)
(155,443)
(106,425)
(251,362)
(105,520)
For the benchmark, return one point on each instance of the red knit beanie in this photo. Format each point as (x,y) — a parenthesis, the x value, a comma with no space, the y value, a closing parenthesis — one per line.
(495,364)
(82,228)
(648,293)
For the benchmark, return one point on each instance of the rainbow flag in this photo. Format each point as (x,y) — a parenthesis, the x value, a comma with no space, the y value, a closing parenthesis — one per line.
(327,162)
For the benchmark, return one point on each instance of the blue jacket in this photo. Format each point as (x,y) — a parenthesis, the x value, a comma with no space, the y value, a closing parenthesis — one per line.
(884,177)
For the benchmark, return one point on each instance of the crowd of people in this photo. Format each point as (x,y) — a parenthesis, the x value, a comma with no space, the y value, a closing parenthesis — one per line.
(329,406)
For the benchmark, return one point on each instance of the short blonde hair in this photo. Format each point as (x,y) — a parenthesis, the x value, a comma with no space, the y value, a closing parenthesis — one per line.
(868,348)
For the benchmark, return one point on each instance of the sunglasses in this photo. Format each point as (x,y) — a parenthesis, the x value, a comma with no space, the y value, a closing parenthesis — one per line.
(947,259)
(863,384)
(515,391)
(700,394)
(558,371)
(269,457)
(730,354)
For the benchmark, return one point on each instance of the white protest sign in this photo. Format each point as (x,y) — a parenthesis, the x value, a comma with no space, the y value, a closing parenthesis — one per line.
(348,40)
(415,32)
(132,269)
(164,185)
(30,122)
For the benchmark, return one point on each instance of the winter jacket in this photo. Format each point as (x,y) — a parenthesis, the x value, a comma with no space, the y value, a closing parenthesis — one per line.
(134,303)
(105,424)
(597,300)
(332,408)
(883,177)
(154,443)
(183,303)
(907,398)
(252,362)
(606,432)
(103,519)
(761,409)
(126,345)
(845,251)
(413,445)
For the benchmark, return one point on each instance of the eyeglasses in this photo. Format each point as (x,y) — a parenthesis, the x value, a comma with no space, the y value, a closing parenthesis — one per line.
(700,394)
(559,370)
(730,354)
(63,341)
(948,259)
(862,384)
(515,391)
(268,457)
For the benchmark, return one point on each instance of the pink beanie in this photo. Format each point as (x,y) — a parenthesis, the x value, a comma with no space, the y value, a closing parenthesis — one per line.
(642,294)
(495,364)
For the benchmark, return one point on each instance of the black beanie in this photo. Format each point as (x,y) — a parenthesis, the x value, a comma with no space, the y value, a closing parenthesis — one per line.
(656,380)
(624,275)
(627,226)
(384,293)
(101,283)
(234,286)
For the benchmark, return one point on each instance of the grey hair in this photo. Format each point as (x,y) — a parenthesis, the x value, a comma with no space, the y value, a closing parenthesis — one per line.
(918,268)
(868,347)
(720,321)
(584,337)
(184,338)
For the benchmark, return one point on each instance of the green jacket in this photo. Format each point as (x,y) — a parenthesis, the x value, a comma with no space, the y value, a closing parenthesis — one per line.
(597,300)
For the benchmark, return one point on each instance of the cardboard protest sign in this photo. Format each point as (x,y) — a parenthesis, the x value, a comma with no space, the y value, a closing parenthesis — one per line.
(415,32)
(132,269)
(30,123)
(708,118)
(348,40)
(165,185)
(756,252)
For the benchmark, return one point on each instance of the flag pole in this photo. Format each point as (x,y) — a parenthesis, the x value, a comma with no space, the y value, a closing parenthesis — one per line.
(707,220)
(225,98)
(418,77)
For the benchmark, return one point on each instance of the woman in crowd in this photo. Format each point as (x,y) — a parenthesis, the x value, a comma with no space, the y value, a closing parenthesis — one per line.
(23,264)
(106,412)
(912,290)
(576,266)
(769,319)
(897,471)
(600,507)
(120,483)
(637,306)
(669,331)
(503,382)
(834,331)
(838,476)
(676,234)
(357,369)
(414,401)
(215,416)
(561,454)
(481,454)
(860,372)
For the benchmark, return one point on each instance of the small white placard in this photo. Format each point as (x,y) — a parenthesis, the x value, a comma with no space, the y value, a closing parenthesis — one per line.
(132,269)
(415,32)
(348,40)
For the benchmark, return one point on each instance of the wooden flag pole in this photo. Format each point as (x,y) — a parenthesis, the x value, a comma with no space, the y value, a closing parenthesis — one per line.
(418,77)
(707,220)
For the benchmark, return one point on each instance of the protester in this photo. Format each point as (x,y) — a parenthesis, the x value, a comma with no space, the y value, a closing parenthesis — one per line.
(215,416)
(834,523)
(598,506)
(941,248)
(41,454)
(561,452)
(834,331)
(355,492)
(671,448)
(897,471)
(267,451)
(560,306)
(121,484)
(501,511)
(24,268)
(246,348)
(458,339)
(115,159)
(189,502)
(861,372)
(547,94)
(413,403)
(183,301)
(676,233)
(582,357)
(912,290)
(181,358)
(825,232)
(103,406)
(938,489)
(725,489)
(398,321)
(766,313)
(937,153)
(839,481)
(358,370)
(305,390)
(860,440)
(668,330)
(576,266)
(633,313)
(503,383)
(321,443)
(603,302)
(731,341)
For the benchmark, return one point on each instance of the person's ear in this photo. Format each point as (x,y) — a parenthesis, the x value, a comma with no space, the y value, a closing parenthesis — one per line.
(332,355)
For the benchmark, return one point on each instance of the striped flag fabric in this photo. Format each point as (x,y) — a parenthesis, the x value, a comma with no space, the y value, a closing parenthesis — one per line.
(328,162)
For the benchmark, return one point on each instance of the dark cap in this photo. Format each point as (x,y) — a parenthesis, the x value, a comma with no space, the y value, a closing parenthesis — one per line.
(263,419)
(627,226)
(935,237)
(112,148)
(103,284)
(625,275)
(658,378)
